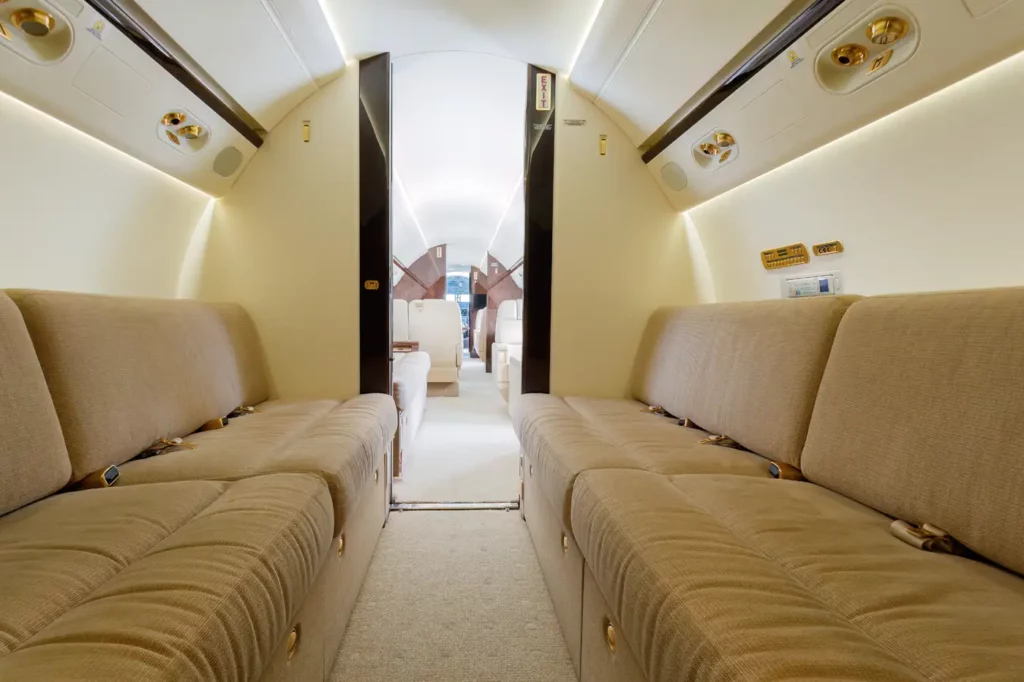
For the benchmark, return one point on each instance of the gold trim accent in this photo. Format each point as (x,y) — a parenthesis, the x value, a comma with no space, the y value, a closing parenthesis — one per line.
(293,641)
(887,30)
(724,139)
(725,156)
(849,55)
(25,18)
(305,131)
(371,285)
(785,256)
(341,544)
(173,119)
(172,137)
(828,248)
(880,61)
(603,144)
(4,33)
(609,635)
(191,132)
(709,149)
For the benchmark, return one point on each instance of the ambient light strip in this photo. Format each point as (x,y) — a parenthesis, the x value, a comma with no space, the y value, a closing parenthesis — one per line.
(334,28)
(104,146)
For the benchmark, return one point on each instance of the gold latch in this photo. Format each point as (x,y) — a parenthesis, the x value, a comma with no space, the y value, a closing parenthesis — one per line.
(371,285)
(926,537)
(305,131)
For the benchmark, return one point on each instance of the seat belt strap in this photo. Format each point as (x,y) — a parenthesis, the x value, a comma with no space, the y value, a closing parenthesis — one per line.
(927,537)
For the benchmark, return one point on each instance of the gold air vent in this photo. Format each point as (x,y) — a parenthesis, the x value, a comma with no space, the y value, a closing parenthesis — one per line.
(709,149)
(849,55)
(887,30)
(174,119)
(191,132)
(33,22)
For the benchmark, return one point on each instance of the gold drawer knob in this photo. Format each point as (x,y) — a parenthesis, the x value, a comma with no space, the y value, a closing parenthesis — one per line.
(341,545)
(565,543)
(293,642)
(609,634)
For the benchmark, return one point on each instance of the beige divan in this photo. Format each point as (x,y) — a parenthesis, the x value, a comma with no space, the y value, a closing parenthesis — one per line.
(238,557)
(669,558)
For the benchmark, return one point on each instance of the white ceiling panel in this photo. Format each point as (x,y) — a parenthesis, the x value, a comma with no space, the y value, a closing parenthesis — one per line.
(247,47)
(458,129)
(547,33)
(685,44)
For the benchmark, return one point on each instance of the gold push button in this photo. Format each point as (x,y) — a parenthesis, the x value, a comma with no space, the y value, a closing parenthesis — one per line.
(609,634)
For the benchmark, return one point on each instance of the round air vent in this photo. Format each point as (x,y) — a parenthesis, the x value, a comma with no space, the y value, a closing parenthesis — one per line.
(674,177)
(34,22)
(228,161)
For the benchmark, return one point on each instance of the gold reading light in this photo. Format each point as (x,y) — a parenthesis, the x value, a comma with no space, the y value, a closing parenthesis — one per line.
(173,119)
(191,132)
(784,257)
(172,137)
(887,30)
(725,156)
(724,140)
(880,61)
(849,55)
(709,149)
(33,22)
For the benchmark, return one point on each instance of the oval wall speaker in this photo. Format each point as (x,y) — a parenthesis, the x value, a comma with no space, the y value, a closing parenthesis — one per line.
(674,177)
(227,162)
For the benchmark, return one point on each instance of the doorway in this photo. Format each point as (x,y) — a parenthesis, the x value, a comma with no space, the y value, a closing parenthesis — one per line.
(464,147)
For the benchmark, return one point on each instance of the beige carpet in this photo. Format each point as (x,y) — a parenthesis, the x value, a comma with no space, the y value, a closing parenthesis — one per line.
(454,597)
(466,450)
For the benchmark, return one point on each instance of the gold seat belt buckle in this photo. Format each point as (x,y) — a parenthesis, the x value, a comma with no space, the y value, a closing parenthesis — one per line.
(721,441)
(105,478)
(657,409)
(785,472)
(926,537)
(241,411)
(214,424)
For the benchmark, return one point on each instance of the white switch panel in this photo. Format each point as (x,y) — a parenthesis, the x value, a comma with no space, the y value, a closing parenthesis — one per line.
(807,286)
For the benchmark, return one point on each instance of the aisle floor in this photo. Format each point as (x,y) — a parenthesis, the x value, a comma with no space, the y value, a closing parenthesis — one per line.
(466,450)
(454,597)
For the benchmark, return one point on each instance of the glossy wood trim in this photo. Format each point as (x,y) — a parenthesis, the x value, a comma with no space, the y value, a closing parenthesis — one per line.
(375,257)
(539,192)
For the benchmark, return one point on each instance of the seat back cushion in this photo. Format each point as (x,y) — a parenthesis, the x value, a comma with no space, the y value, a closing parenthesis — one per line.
(437,325)
(746,370)
(400,320)
(921,415)
(126,372)
(32,453)
(508,331)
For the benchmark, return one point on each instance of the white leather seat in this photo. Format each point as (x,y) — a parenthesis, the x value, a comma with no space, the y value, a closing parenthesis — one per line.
(409,377)
(437,325)
(400,320)
(515,385)
(508,338)
(480,333)
(519,309)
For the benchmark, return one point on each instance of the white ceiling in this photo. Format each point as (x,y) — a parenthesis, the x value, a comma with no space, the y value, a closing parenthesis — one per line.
(547,33)
(457,134)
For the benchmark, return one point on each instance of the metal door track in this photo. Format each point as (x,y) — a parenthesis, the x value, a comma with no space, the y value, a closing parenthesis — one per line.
(454,506)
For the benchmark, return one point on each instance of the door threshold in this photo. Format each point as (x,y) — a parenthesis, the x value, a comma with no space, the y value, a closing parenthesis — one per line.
(454,506)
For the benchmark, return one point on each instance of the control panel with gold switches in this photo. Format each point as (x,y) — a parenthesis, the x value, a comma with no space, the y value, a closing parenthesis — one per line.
(784,257)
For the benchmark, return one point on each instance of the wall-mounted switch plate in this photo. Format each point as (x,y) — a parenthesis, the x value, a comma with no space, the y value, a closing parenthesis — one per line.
(808,286)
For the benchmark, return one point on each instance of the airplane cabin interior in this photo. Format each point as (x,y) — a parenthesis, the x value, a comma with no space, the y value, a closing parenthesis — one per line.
(537,341)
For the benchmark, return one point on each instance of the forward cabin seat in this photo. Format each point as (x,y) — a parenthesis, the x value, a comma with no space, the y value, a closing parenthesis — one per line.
(410,372)
(508,336)
(744,370)
(228,539)
(437,325)
(480,334)
(400,320)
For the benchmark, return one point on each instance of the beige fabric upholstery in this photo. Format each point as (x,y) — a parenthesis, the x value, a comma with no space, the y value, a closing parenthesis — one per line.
(125,372)
(171,598)
(340,442)
(600,662)
(32,453)
(737,578)
(921,415)
(614,434)
(746,370)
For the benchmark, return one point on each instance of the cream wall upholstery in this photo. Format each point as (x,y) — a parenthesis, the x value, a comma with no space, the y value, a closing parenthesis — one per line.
(616,240)
(81,216)
(914,207)
(284,244)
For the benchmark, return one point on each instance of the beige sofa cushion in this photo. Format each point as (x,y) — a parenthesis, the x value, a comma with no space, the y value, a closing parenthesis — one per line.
(340,442)
(921,415)
(180,582)
(125,372)
(564,437)
(746,370)
(32,453)
(738,578)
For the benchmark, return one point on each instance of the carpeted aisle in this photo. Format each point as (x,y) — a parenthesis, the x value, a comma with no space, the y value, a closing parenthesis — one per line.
(466,450)
(454,597)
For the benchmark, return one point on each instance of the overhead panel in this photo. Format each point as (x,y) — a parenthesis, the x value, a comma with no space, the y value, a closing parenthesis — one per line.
(247,47)
(810,95)
(685,44)
(76,66)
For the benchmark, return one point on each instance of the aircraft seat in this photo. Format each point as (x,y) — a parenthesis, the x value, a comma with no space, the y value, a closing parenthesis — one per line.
(400,320)
(480,333)
(437,325)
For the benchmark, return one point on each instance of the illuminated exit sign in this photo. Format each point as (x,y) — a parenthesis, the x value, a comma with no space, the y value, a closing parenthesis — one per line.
(543,92)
